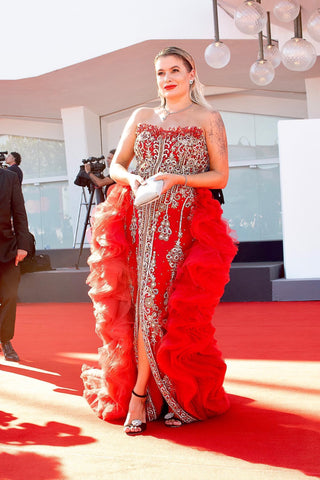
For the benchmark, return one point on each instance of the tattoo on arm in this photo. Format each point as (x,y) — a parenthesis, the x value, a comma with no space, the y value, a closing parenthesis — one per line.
(217,133)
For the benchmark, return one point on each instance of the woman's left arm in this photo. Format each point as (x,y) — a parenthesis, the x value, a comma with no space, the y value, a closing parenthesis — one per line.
(217,146)
(216,140)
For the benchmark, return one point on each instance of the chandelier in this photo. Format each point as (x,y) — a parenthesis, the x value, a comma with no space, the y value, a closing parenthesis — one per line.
(297,54)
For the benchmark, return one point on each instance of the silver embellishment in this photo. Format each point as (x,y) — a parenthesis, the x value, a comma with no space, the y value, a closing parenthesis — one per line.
(136,423)
(164,229)
(175,255)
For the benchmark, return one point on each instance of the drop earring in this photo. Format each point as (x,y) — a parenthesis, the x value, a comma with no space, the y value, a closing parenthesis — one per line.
(191,82)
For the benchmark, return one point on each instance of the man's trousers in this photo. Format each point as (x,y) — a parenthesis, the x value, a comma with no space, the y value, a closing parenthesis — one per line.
(9,283)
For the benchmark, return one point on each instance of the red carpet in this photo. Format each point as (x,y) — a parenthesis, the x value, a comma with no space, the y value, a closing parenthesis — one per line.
(271,431)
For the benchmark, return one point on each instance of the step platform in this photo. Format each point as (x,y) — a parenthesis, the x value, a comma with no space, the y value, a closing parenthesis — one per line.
(251,281)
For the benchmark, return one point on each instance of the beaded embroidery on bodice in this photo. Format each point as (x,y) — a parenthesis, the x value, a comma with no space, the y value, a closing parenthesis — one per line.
(179,150)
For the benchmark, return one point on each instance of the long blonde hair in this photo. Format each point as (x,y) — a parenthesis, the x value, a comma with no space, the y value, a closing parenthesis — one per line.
(196,88)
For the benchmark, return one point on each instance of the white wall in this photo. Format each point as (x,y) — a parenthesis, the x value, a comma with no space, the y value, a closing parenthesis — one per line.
(31,128)
(82,140)
(111,129)
(313,97)
(263,105)
(299,149)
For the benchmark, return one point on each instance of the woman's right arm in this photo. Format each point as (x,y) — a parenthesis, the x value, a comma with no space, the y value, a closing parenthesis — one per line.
(125,153)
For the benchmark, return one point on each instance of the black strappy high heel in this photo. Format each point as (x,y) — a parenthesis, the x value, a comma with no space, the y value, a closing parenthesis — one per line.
(136,423)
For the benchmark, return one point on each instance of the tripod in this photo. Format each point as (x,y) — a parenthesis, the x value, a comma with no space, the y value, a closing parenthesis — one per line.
(100,198)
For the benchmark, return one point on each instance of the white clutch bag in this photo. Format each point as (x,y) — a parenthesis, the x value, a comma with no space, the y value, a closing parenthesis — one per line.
(148,192)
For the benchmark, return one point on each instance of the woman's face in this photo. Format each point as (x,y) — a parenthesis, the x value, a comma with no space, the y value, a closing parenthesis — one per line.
(173,78)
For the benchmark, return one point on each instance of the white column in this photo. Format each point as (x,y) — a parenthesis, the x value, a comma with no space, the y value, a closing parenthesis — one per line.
(81,129)
(299,151)
(313,97)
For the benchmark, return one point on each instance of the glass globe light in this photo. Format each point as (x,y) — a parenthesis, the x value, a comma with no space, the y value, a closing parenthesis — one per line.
(286,10)
(313,25)
(262,72)
(250,17)
(217,55)
(272,53)
(298,54)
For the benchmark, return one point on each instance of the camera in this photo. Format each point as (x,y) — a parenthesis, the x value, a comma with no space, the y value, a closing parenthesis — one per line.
(97,166)
(3,159)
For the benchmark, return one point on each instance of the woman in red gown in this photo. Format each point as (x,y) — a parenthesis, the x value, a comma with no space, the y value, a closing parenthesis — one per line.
(159,270)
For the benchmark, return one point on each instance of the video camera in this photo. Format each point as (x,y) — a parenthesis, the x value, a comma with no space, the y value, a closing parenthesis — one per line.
(3,159)
(97,166)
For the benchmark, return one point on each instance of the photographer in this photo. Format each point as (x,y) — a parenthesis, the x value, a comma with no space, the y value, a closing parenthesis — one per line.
(14,160)
(101,182)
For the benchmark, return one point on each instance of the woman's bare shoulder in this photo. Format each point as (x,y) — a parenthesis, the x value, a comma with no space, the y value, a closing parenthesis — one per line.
(142,114)
(204,113)
(208,113)
(211,120)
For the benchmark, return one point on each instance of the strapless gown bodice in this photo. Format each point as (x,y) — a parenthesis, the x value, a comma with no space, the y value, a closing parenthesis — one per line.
(180,150)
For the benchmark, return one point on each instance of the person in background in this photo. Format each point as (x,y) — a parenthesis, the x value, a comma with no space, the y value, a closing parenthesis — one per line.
(101,182)
(14,160)
(14,246)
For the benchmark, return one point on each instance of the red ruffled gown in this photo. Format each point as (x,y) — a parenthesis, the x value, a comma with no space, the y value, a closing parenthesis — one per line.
(163,266)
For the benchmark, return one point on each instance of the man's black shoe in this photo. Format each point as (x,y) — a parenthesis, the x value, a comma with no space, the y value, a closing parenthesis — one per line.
(9,352)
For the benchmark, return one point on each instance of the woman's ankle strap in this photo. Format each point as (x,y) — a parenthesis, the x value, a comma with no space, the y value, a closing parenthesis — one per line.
(140,396)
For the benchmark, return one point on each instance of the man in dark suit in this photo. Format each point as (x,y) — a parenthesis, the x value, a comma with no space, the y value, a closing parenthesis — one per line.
(14,246)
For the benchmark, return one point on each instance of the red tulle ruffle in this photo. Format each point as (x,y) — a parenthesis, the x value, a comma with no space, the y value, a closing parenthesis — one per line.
(108,390)
(188,352)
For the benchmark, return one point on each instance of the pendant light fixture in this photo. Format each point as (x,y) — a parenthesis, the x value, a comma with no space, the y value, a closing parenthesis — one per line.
(286,10)
(217,54)
(271,51)
(313,25)
(298,54)
(250,17)
(262,71)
